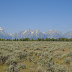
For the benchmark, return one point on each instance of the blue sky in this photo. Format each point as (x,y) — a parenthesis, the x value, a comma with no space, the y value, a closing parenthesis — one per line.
(20,15)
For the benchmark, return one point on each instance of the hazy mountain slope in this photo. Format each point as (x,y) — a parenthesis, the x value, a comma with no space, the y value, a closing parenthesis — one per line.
(54,34)
(34,34)
(4,35)
(68,34)
(29,34)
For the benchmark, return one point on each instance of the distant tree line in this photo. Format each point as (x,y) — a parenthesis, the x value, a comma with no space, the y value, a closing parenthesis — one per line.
(39,39)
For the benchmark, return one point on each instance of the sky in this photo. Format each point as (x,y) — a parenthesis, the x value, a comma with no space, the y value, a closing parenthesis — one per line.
(43,15)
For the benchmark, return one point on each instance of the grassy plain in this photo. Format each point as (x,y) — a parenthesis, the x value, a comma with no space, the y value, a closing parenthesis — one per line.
(35,56)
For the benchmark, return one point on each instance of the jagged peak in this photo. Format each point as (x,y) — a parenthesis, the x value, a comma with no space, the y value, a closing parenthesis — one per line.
(1,29)
(53,31)
(37,31)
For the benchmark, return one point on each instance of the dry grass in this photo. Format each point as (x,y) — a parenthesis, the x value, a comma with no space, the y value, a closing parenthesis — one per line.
(35,56)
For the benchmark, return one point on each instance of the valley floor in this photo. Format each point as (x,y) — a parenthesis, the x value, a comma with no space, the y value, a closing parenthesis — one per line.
(35,56)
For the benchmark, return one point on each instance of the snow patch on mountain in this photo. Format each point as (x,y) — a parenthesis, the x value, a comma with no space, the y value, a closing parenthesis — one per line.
(35,34)
(1,29)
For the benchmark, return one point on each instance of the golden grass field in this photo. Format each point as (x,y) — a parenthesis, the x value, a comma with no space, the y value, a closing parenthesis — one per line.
(35,56)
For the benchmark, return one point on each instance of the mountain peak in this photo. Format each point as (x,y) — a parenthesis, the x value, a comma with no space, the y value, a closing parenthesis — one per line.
(37,31)
(1,29)
(35,34)
(53,31)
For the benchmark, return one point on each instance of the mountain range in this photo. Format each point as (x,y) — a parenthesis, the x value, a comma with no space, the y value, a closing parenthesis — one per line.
(35,34)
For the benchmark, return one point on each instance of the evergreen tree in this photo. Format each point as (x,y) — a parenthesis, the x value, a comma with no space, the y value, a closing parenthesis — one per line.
(0,39)
(39,39)
(17,39)
(42,39)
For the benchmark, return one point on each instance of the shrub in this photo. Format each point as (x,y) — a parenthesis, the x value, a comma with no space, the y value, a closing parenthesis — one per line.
(23,66)
(12,61)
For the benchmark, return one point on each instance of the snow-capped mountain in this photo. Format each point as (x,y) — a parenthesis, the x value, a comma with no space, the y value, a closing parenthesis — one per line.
(37,34)
(4,35)
(1,29)
(29,34)
(68,34)
(54,34)
(34,34)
